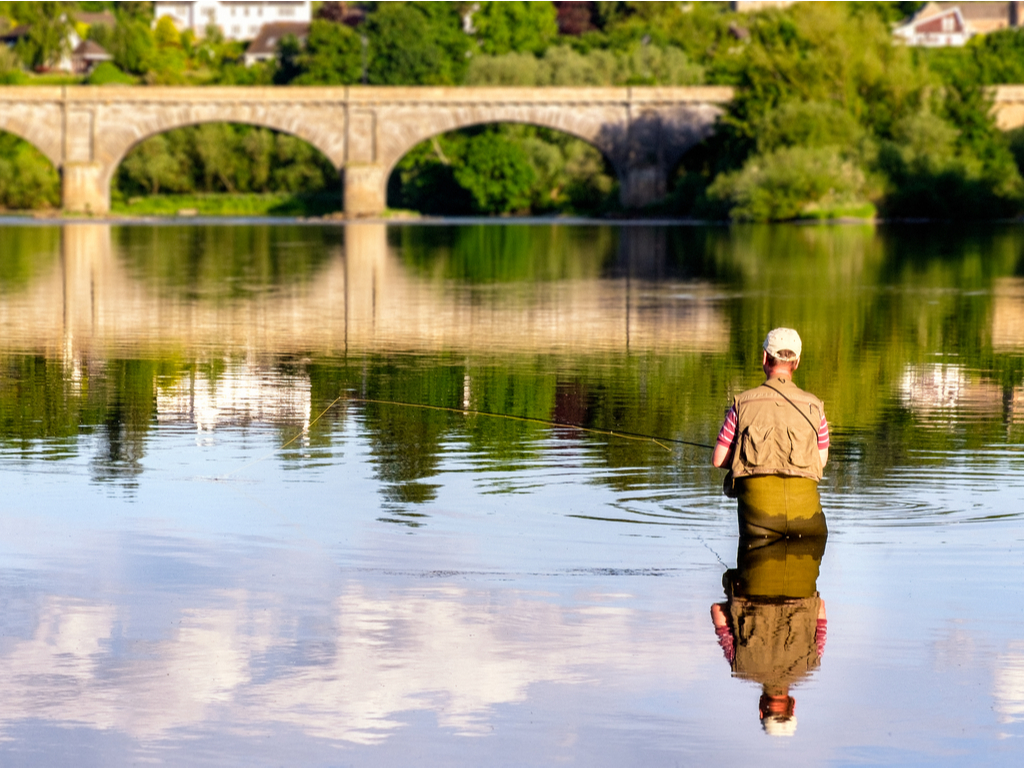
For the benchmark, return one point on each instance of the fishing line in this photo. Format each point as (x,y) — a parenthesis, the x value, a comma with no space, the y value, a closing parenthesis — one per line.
(546,422)
(709,549)
(296,437)
(657,440)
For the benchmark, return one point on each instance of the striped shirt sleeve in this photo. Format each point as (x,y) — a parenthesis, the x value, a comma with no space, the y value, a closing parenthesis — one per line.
(823,439)
(727,434)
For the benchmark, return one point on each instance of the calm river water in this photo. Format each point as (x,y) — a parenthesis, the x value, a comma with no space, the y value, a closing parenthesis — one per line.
(234,533)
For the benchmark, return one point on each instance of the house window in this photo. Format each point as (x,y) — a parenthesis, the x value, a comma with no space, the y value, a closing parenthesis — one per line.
(948,24)
(286,12)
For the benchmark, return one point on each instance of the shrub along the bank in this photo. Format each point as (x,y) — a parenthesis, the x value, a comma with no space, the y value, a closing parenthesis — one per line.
(792,183)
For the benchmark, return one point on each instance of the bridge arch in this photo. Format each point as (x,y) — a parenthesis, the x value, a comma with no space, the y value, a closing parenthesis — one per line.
(114,146)
(27,129)
(580,191)
(407,133)
(218,156)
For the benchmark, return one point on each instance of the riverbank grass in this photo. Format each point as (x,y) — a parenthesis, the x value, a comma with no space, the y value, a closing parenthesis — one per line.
(249,204)
(851,211)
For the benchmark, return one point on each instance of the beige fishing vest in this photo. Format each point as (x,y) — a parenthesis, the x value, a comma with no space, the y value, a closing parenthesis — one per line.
(775,436)
(775,642)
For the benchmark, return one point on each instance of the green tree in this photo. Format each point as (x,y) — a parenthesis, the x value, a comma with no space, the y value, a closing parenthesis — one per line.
(809,124)
(888,12)
(992,59)
(818,52)
(137,10)
(703,31)
(153,167)
(101,34)
(217,161)
(333,56)
(299,167)
(47,39)
(10,67)
(258,146)
(132,45)
(515,26)
(497,174)
(27,179)
(166,35)
(416,44)
(169,60)
(289,49)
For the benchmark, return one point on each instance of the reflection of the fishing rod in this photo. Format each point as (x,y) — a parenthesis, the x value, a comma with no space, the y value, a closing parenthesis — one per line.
(772,624)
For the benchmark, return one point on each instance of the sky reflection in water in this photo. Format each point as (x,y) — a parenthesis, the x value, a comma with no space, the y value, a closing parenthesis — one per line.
(205,559)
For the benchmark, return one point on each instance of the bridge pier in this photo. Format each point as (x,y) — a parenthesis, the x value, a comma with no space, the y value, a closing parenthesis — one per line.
(365,189)
(85,188)
(641,186)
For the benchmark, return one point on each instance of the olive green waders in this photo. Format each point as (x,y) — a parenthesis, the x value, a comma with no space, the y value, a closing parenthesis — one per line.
(776,505)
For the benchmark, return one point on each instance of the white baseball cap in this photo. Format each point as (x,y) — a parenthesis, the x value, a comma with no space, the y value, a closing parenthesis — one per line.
(780,340)
(779,725)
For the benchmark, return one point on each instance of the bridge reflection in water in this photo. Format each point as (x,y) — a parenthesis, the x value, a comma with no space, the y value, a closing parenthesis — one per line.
(103,299)
(279,640)
(363,299)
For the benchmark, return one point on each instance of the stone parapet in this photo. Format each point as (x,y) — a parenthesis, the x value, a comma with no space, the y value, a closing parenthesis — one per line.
(107,94)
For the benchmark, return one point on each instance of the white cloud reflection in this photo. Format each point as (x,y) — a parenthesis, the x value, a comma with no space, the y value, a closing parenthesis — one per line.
(1009,684)
(458,653)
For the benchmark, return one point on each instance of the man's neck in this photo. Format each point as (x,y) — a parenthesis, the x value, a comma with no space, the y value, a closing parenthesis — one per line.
(779,373)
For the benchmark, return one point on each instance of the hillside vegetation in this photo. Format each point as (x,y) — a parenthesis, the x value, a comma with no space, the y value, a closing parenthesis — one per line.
(831,118)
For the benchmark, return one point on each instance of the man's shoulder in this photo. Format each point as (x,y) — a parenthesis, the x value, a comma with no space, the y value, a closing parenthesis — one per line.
(778,388)
(757,391)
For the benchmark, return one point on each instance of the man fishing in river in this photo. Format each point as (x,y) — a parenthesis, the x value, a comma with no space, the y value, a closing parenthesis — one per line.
(775,442)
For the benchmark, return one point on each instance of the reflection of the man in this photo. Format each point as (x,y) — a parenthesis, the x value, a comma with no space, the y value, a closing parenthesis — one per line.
(772,625)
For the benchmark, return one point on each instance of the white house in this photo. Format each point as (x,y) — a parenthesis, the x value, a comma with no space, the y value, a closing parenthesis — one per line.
(954,23)
(236,19)
(935,26)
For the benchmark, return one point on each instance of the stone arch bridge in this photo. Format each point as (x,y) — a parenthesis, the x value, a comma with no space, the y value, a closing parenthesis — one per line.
(364,131)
